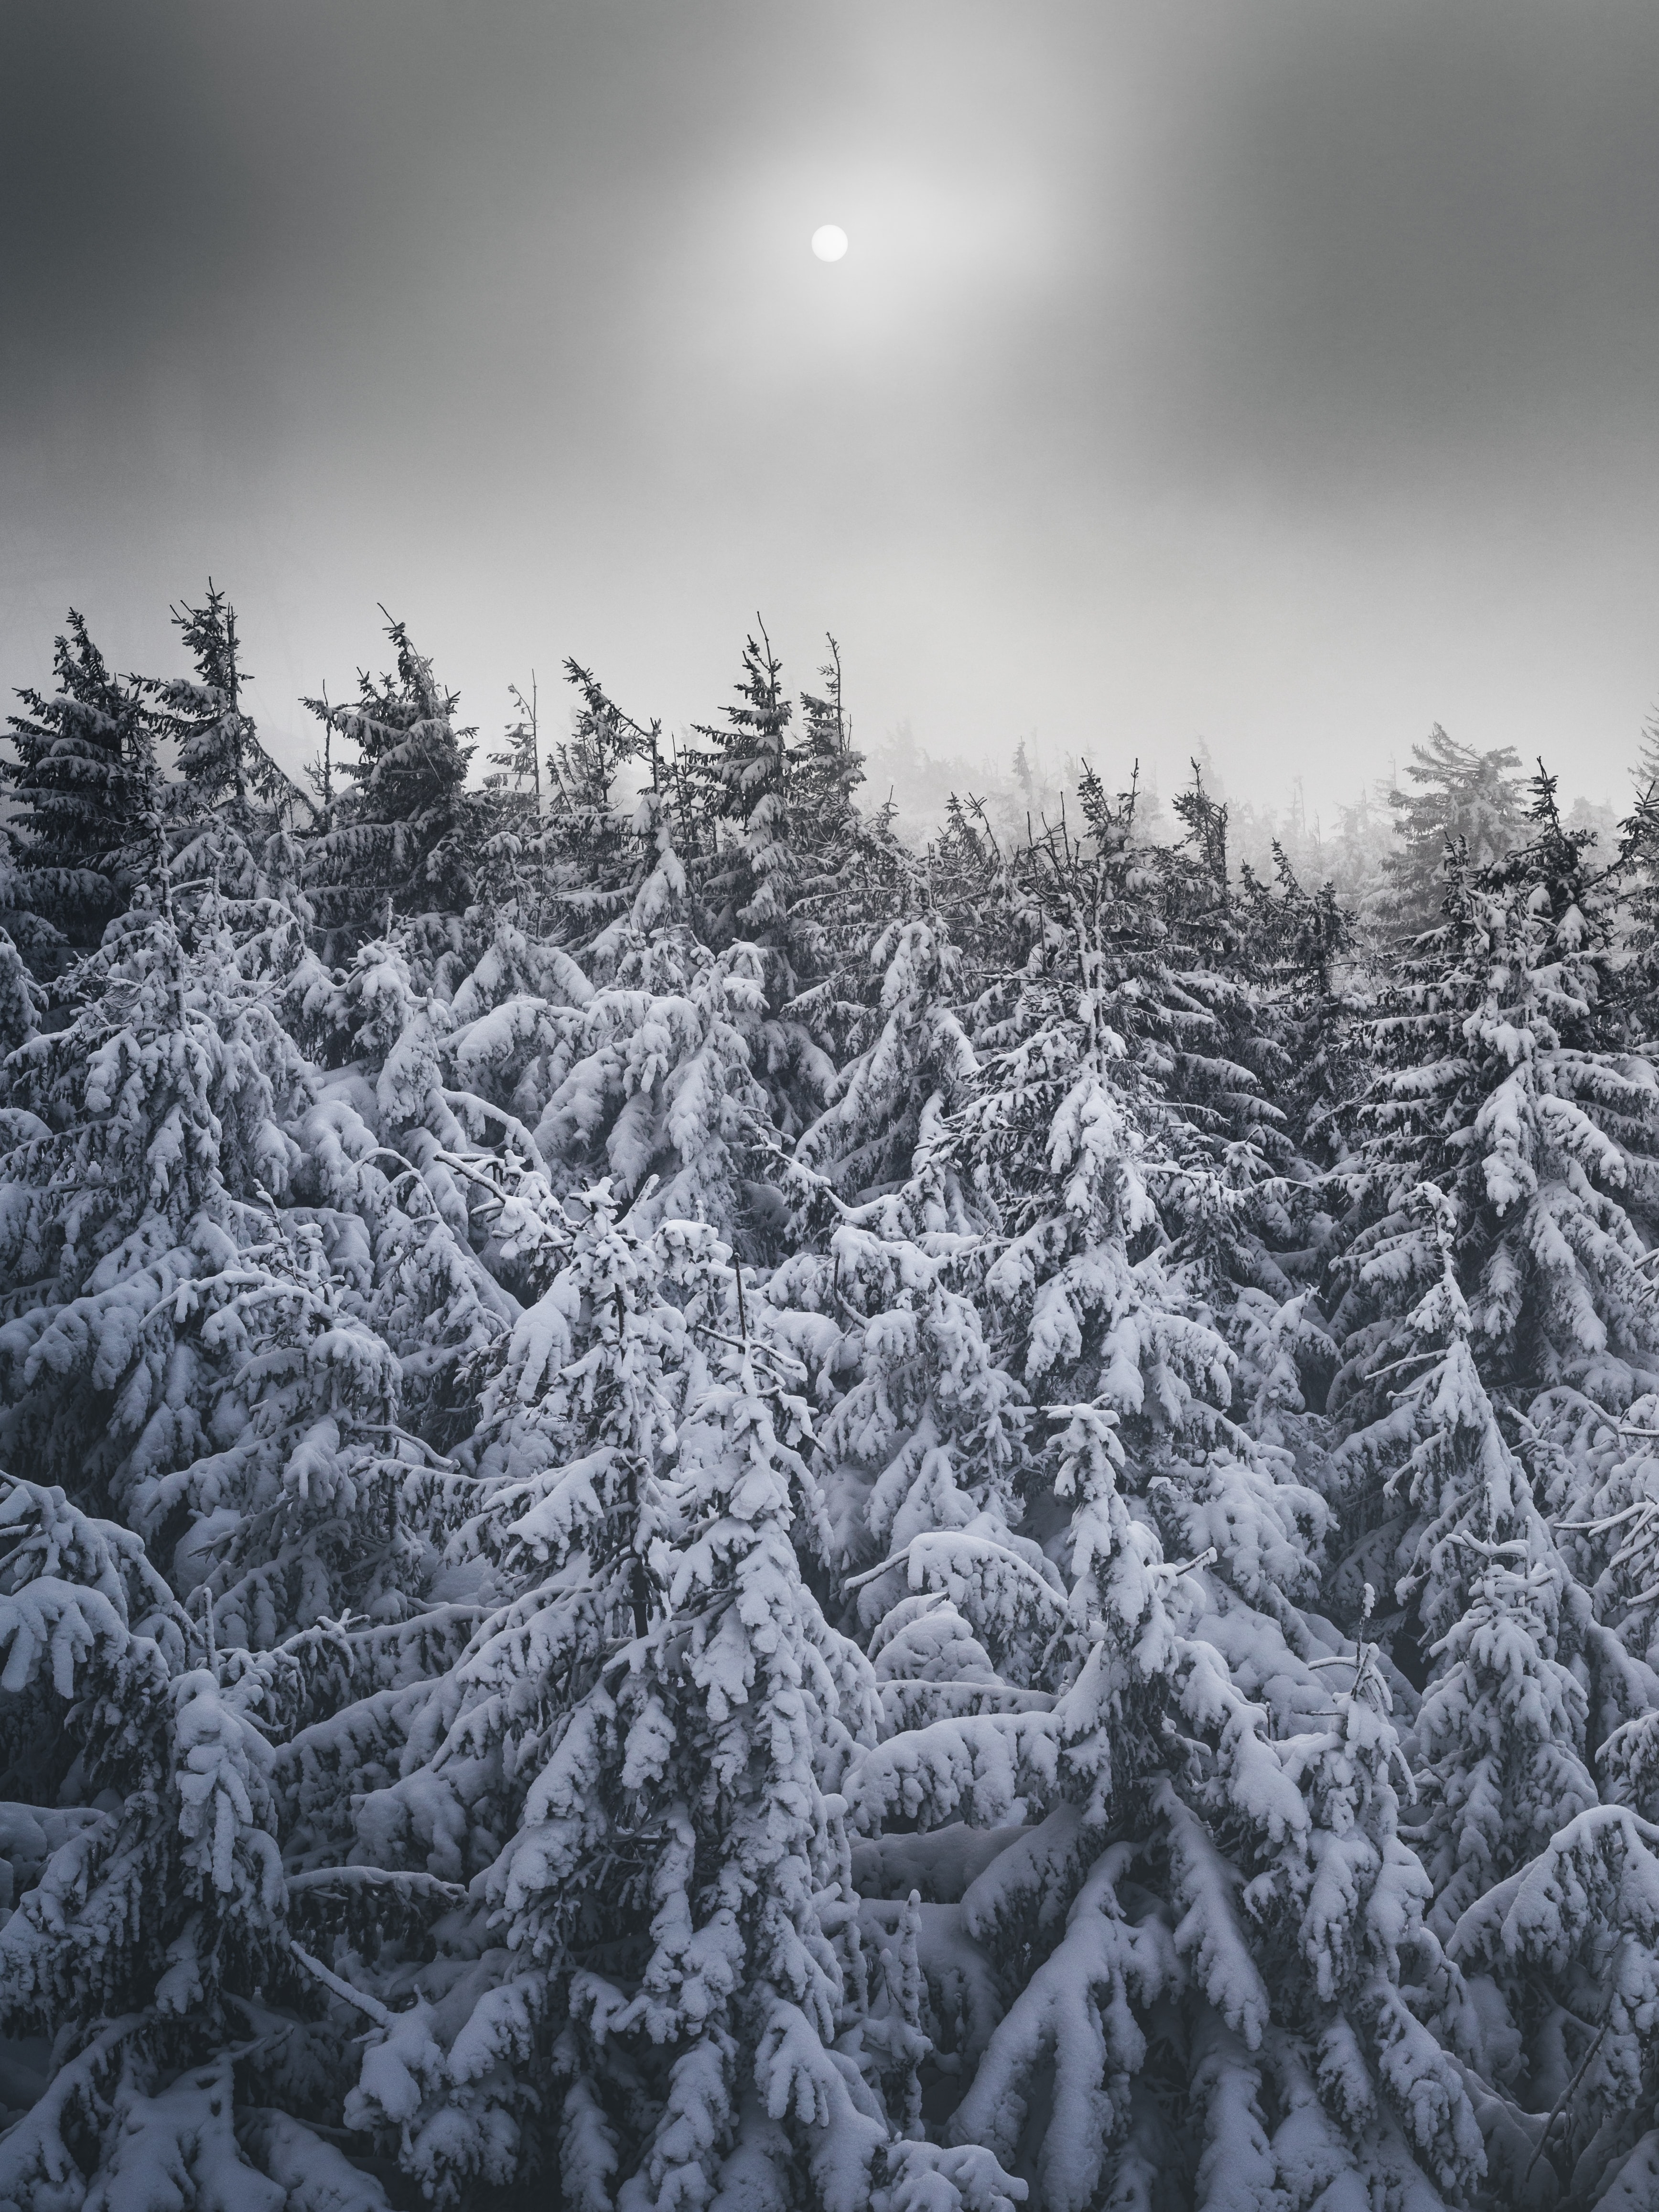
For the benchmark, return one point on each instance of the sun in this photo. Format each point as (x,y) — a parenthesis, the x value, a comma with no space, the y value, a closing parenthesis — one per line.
(830,241)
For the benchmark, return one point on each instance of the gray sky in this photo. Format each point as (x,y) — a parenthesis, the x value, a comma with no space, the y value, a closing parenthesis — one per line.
(1282,371)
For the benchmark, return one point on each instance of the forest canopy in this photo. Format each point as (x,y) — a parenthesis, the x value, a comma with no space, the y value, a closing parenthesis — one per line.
(706,1506)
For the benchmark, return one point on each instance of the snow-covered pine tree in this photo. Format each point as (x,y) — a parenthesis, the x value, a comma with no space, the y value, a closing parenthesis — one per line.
(918,1457)
(1645,774)
(1058,1145)
(1158,934)
(84,788)
(742,1993)
(407,835)
(1504,1181)
(139,1140)
(1247,958)
(561,861)
(1467,802)
(588,817)
(1574,1937)
(324,1506)
(676,1096)
(231,800)
(1068,1150)
(743,776)
(754,862)
(609,889)
(632,1755)
(1081,1755)
(653,1074)
(35,940)
(1295,944)
(1176,1951)
(829,770)
(1502,1081)
(857,879)
(175,1189)
(1519,1683)
(213,1334)
(559,1559)
(1636,961)
(913,1065)
(145,1937)
(518,766)
(969,888)
(21,999)
(503,1022)
(1503,1725)
(407,1196)
(1168,938)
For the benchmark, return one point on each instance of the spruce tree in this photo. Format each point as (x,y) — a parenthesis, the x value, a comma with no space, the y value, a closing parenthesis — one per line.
(700,1511)
(1504,1083)
(1520,1682)
(21,999)
(744,775)
(914,1068)
(150,1939)
(1065,1674)
(404,836)
(85,790)
(1181,1922)
(231,797)
(917,1462)
(827,770)
(631,1754)
(652,1078)
(141,1138)
(1465,802)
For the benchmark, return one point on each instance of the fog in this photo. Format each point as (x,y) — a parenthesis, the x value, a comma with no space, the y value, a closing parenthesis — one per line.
(1277,377)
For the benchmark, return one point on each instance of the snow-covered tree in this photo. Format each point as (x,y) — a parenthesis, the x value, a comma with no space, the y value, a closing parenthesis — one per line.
(140,1140)
(916,1068)
(1502,1726)
(1184,1947)
(1522,1685)
(405,837)
(231,797)
(1465,802)
(654,1074)
(147,1933)
(1147,1730)
(829,770)
(574,1447)
(918,1457)
(21,1000)
(1500,1083)
(632,1755)
(84,787)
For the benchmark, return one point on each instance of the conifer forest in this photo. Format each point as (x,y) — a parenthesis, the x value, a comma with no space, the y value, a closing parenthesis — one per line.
(705,1507)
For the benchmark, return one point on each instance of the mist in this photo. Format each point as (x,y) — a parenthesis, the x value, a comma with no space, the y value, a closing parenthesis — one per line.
(1273,379)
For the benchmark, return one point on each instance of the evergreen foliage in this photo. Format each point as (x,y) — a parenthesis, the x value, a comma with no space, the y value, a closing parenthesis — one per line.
(400,838)
(700,1510)
(1464,802)
(84,788)
(230,798)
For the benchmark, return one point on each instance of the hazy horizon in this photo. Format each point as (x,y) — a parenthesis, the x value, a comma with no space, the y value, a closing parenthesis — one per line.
(1277,380)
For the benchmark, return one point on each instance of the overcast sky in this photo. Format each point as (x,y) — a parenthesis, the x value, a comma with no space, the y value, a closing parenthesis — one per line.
(1278,372)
